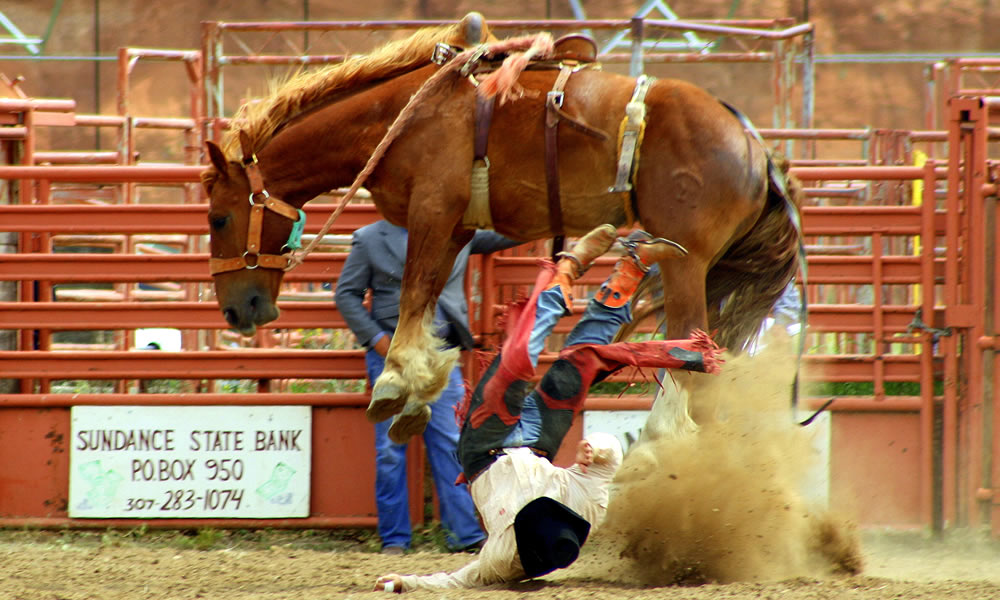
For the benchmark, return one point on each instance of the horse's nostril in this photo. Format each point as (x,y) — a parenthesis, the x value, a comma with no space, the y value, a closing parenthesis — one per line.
(230,316)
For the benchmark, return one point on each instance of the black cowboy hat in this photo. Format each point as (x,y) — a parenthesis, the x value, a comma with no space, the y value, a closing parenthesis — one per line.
(549,535)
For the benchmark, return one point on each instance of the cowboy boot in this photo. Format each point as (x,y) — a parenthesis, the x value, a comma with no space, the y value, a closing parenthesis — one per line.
(575,263)
(642,251)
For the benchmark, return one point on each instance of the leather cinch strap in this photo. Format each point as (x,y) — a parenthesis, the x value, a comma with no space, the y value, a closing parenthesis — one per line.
(477,214)
(554,114)
(630,136)
(553,106)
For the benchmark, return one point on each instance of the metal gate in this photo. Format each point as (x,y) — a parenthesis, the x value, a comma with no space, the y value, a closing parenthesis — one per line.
(902,300)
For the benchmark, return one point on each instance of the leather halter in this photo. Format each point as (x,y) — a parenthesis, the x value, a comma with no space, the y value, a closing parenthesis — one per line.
(259,201)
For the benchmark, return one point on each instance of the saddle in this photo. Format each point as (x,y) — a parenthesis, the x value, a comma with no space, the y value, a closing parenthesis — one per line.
(576,46)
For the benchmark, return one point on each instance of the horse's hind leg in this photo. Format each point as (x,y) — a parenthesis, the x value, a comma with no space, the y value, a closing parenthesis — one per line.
(669,418)
(685,309)
(684,302)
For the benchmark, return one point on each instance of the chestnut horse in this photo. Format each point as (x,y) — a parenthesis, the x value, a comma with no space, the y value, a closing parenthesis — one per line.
(701,180)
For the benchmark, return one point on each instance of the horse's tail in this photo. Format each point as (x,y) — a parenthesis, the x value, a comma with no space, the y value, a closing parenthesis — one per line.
(743,286)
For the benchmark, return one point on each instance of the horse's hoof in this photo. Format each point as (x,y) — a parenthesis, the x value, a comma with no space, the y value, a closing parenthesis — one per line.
(387,400)
(412,421)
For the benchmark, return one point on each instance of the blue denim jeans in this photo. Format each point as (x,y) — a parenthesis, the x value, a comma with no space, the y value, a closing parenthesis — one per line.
(458,513)
(598,325)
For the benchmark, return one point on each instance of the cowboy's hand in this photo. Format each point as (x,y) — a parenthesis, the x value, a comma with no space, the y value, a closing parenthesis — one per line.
(389,583)
(584,455)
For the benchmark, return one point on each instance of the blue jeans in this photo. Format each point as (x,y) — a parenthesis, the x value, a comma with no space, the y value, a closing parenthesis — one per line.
(458,513)
(598,325)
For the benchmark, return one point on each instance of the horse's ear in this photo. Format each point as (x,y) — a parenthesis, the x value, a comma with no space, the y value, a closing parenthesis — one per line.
(246,147)
(218,158)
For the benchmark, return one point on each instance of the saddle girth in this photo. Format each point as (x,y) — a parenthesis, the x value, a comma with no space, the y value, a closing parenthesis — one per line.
(553,104)
(630,135)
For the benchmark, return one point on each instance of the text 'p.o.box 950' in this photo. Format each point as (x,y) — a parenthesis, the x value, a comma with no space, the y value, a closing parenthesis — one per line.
(190,462)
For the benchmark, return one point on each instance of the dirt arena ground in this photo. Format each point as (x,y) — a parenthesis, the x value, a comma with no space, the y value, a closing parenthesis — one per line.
(714,514)
(273,565)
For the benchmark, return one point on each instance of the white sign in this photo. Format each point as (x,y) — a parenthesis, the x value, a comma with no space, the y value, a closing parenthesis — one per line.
(190,461)
(626,425)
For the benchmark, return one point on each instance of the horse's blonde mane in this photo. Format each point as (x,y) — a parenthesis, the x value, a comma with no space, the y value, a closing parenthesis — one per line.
(261,119)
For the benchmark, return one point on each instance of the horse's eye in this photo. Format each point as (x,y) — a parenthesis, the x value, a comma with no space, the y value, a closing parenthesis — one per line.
(218,222)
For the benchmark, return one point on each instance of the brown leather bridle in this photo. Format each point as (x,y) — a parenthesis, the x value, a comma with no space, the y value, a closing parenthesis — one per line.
(259,201)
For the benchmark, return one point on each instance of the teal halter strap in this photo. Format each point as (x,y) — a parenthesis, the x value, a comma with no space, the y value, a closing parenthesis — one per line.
(295,237)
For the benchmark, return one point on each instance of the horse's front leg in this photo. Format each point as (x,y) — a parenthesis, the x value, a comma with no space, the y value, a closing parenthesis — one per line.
(417,369)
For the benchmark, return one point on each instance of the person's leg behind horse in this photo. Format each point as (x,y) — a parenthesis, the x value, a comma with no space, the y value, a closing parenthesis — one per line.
(551,300)
(458,512)
(391,489)
(564,387)
(496,417)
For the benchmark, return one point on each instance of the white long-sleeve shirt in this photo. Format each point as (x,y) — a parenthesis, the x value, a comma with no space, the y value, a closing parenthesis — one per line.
(515,479)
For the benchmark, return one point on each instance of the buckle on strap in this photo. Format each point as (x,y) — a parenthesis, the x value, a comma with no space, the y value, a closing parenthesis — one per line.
(442,53)
(555,98)
(477,55)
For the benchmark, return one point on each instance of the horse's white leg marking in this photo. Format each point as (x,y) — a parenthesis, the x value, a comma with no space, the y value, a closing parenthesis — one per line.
(416,370)
(423,365)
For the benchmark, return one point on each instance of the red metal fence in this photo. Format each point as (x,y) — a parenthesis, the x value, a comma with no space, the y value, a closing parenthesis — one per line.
(901,280)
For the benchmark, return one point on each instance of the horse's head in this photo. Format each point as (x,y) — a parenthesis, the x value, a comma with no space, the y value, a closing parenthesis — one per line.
(246,248)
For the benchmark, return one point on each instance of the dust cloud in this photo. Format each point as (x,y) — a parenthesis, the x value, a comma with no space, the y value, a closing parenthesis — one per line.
(723,504)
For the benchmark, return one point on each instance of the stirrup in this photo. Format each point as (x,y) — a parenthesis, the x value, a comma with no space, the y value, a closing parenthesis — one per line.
(632,248)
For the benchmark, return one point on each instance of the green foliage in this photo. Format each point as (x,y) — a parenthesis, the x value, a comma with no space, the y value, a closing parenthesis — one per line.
(617,388)
(327,386)
(82,386)
(432,537)
(237,386)
(206,538)
(867,388)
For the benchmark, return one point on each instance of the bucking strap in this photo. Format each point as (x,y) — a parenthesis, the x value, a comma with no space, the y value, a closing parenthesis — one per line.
(777,181)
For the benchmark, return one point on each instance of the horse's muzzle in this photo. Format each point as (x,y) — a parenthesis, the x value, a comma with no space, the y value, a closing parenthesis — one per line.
(247,315)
